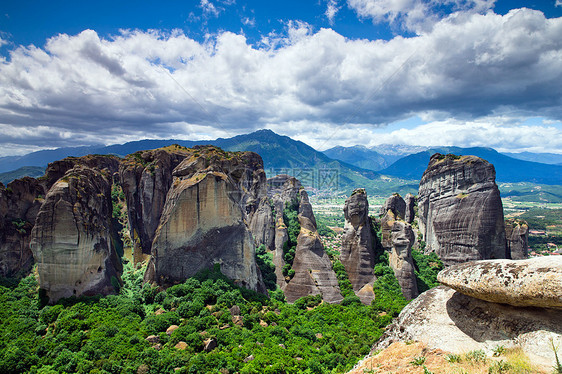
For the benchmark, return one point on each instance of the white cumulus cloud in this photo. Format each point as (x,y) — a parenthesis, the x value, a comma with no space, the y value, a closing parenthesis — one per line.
(415,15)
(84,89)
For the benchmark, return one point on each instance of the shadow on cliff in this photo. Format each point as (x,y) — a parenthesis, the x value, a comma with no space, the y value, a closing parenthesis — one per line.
(485,321)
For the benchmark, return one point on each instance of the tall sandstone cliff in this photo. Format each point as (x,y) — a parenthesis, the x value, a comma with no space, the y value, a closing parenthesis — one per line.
(313,269)
(461,214)
(357,251)
(146,177)
(204,218)
(73,239)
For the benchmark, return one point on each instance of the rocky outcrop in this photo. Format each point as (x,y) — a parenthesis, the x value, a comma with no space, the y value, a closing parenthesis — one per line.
(313,273)
(516,235)
(445,319)
(146,177)
(19,204)
(72,240)
(460,210)
(108,164)
(357,251)
(283,190)
(203,219)
(396,204)
(533,282)
(401,260)
(313,269)
(410,212)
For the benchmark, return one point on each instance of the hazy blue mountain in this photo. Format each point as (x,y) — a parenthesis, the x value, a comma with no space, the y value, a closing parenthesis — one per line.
(26,171)
(360,156)
(280,154)
(545,158)
(508,169)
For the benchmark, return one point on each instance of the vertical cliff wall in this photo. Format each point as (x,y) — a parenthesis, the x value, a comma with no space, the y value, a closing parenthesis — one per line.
(357,251)
(73,240)
(461,214)
(203,220)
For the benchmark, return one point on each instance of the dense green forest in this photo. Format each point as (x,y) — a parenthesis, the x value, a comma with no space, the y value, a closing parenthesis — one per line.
(253,333)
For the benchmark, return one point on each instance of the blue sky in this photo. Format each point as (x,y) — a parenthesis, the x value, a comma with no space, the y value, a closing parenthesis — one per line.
(327,72)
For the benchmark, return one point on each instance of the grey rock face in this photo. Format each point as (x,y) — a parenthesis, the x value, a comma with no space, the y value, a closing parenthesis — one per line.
(146,177)
(72,240)
(313,269)
(516,234)
(19,204)
(205,208)
(357,254)
(448,320)
(401,260)
(461,214)
(533,282)
(410,214)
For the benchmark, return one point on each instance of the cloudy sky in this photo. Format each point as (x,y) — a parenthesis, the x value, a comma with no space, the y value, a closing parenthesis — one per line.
(327,72)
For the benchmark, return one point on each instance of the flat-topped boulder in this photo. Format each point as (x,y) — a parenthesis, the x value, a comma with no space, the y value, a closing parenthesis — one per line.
(534,282)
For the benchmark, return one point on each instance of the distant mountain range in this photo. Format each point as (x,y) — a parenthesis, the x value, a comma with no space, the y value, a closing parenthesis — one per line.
(383,169)
(508,169)
(281,155)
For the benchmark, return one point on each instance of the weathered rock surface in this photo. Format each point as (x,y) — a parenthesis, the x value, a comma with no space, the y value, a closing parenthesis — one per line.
(262,225)
(396,204)
(401,260)
(357,252)
(410,212)
(445,319)
(107,164)
(19,204)
(313,269)
(72,240)
(516,234)
(461,214)
(203,219)
(282,190)
(533,282)
(146,178)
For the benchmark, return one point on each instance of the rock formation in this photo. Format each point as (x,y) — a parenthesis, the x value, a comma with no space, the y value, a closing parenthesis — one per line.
(72,240)
(357,252)
(146,177)
(410,213)
(313,269)
(460,210)
(401,260)
(203,219)
(19,204)
(516,234)
(456,322)
(448,320)
(396,204)
(532,282)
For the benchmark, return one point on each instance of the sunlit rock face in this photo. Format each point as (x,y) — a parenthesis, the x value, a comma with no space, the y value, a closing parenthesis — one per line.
(72,240)
(461,213)
(357,251)
(204,219)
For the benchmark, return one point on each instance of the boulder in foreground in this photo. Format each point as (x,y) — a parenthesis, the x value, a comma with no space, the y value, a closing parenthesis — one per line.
(533,282)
